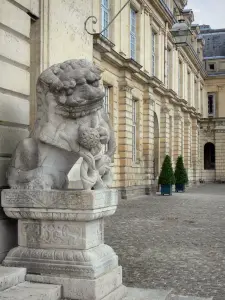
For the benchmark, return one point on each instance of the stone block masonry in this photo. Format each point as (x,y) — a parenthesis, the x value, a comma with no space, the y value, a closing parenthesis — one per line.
(71,223)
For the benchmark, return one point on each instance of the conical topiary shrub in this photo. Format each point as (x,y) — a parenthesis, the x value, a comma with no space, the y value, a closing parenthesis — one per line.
(181,177)
(166,177)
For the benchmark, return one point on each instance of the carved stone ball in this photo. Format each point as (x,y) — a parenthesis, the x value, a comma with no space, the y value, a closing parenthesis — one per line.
(89,138)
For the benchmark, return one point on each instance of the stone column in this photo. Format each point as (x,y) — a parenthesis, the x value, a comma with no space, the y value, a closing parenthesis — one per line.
(148,138)
(61,241)
(164,132)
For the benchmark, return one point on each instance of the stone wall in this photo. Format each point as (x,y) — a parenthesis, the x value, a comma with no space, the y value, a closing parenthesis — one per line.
(33,35)
(15,28)
(168,106)
(213,131)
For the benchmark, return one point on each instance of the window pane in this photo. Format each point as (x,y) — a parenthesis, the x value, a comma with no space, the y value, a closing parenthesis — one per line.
(105,16)
(132,33)
(106,99)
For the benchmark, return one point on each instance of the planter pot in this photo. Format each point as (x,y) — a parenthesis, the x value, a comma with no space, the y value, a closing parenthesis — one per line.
(179,187)
(166,189)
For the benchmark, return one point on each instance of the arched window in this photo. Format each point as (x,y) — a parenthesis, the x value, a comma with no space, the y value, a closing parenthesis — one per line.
(209,156)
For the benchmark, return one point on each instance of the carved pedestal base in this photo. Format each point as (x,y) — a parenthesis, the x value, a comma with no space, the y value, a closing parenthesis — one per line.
(61,240)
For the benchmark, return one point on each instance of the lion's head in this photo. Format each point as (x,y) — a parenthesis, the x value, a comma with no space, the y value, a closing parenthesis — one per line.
(74,85)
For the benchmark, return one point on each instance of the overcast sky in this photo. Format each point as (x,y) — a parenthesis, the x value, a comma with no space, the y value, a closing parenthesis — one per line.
(208,12)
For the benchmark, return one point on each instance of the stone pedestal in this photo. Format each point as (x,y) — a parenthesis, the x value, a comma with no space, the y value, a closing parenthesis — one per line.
(61,240)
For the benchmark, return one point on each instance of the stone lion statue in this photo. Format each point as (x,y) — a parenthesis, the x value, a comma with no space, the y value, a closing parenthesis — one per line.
(71,123)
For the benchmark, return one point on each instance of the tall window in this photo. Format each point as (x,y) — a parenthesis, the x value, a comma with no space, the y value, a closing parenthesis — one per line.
(105,17)
(180,79)
(153,52)
(196,96)
(182,138)
(168,69)
(171,137)
(189,87)
(106,108)
(211,105)
(134,130)
(133,22)
(106,99)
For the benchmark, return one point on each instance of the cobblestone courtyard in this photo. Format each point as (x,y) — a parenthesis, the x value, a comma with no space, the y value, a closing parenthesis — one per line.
(173,241)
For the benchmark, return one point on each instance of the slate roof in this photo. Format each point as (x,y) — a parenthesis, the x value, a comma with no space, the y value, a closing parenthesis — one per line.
(214,41)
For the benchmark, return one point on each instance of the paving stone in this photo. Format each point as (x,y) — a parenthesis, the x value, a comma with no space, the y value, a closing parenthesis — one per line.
(192,298)
(32,291)
(147,294)
(172,242)
(11,276)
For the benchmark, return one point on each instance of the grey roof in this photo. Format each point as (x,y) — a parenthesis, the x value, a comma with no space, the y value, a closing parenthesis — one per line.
(214,41)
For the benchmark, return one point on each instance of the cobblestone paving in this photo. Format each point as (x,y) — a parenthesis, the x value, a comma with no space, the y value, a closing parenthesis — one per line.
(173,241)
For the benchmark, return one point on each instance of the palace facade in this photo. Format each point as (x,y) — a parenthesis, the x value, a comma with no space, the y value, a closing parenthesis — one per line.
(154,91)
(158,96)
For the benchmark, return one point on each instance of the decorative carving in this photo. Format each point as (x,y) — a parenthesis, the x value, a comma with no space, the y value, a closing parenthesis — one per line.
(208,131)
(187,122)
(70,199)
(53,234)
(151,102)
(165,109)
(178,117)
(89,263)
(126,88)
(71,123)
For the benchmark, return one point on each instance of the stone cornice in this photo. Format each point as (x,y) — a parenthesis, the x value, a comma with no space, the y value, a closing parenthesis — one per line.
(134,68)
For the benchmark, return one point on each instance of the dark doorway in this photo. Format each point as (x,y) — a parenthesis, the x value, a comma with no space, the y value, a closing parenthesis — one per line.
(209,156)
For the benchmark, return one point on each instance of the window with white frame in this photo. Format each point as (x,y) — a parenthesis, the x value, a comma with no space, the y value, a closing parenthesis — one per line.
(180,79)
(133,21)
(211,105)
(105,17)
(169,68)
(196,96)
(189,87)
(106,107)
(106,98)
(134,130)
(171,136)
(182,138)
(153,53)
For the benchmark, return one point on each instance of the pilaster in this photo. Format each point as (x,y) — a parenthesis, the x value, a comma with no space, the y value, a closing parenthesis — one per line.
(148,135)
(125,132)
(194,150)
(178,134)
(187,141)
(164,131)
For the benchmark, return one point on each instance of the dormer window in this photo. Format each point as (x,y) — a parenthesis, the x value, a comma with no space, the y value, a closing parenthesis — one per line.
(212,67)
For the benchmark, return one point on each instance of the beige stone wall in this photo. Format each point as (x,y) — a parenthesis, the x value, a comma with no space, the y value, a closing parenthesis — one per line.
(213,127)
(169,104)
(33,35)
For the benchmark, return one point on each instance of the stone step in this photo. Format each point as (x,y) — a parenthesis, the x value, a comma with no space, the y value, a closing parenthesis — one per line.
(11,276)
(32,291)
(147,294)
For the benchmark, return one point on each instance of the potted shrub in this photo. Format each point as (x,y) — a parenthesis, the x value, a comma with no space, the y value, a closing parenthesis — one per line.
(166,177)
(181,177)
